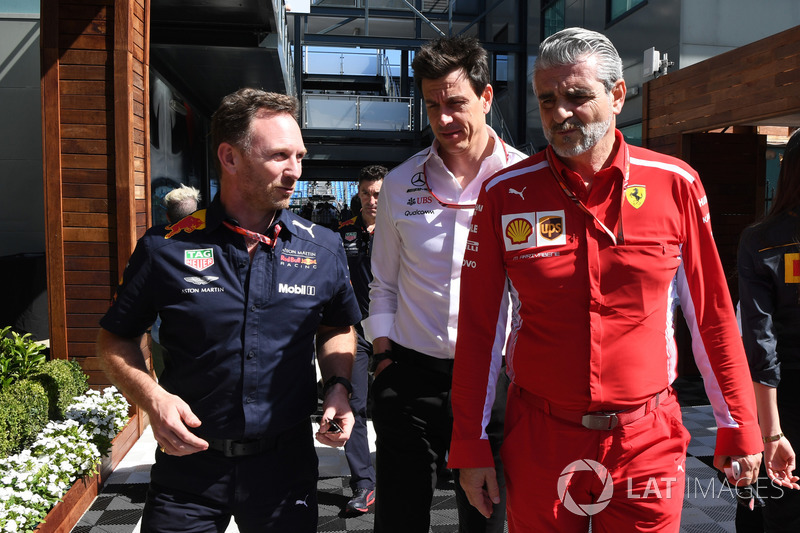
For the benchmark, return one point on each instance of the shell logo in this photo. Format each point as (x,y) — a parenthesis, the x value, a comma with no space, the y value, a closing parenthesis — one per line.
(518,230)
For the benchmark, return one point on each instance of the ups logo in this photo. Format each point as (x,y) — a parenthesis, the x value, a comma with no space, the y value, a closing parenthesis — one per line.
(551,227)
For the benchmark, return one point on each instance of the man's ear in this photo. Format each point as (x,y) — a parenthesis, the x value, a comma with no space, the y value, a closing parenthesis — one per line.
(618,96)
(229,157)
(488,96)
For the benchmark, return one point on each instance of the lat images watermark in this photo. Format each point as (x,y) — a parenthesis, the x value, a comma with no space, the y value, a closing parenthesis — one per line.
(658,487)
(586,509)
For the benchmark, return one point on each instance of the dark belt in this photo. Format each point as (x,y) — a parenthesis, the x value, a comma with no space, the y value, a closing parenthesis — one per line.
(601,420)
(240,448)
(403,355)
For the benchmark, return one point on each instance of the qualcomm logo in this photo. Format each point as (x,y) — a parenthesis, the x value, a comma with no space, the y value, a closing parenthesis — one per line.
(307,290)
(586,509)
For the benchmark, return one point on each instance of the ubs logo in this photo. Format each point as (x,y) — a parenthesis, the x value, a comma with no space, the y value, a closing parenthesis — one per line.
(420,201)
(551,227)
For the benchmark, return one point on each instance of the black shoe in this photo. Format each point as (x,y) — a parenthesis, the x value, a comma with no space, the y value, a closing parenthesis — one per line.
(361,500)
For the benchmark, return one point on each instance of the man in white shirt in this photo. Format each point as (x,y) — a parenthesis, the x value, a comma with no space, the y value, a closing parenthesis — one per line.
(423,221)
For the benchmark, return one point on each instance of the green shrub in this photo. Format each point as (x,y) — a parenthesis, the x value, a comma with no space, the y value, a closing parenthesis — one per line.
(62,380)
(23,414)
(19,356)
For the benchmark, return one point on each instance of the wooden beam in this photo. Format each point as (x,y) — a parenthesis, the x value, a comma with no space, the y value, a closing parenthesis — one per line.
(51,162)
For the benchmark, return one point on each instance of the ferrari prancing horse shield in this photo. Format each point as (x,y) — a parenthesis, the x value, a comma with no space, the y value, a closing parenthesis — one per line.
(635,195)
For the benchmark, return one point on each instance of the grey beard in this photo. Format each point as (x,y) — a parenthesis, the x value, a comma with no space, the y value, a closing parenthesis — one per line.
(590,135)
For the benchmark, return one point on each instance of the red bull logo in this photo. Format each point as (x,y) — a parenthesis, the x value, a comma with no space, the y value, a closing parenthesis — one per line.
(188,224)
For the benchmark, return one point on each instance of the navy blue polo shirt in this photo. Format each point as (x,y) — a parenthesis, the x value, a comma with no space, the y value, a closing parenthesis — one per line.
(239,334)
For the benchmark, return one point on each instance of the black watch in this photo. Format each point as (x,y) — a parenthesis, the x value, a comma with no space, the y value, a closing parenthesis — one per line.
(333,381)
(378,357)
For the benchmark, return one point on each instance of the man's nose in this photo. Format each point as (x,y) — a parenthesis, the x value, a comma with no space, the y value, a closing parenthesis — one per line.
(445,117)
(561,112)
(295,169)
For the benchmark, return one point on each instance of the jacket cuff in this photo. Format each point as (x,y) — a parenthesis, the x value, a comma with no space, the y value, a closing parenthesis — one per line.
(739,441)
(473,453)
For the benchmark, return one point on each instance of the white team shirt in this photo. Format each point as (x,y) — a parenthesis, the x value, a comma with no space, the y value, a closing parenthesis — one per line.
(418,249)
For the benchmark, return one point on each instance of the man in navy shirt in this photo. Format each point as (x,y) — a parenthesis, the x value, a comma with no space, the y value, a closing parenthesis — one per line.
(247,292)
(356,236)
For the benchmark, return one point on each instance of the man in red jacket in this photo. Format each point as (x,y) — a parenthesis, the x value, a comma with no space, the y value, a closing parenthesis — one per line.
(597,242)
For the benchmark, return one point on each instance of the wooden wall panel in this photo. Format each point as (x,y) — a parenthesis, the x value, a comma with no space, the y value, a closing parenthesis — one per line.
(94,80)
(742,86)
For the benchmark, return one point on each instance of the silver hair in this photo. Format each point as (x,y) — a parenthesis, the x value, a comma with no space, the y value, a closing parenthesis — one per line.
(181,202)
(571,45)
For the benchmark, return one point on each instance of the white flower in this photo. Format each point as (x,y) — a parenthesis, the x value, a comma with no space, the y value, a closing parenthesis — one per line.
(11,526)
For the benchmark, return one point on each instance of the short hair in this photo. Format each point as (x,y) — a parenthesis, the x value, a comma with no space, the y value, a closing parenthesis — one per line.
(571,45)
(372,173)
(440,57)
(787,191)
(181,202)
(231,122)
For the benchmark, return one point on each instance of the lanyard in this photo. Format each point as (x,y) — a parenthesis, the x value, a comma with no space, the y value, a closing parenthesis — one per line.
(619,238)
(450,204)
(255,235)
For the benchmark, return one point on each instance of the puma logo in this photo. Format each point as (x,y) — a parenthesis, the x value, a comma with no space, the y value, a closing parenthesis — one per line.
(303,501)
(308,229)
(520,193)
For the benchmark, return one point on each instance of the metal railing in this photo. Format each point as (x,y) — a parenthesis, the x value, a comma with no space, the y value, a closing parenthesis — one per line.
(345,112)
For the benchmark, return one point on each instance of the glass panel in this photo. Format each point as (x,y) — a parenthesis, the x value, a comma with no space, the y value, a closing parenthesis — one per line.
(501,68)
(344,112)
(330,113)
(384,116)
(553,16)
(633,134)
(360,64)
(620,7)
(323,62)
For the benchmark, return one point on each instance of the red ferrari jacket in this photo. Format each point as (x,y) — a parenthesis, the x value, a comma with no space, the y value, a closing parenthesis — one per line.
(595,280)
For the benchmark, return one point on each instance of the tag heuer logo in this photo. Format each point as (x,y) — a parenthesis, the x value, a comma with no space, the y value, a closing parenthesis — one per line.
(199,259)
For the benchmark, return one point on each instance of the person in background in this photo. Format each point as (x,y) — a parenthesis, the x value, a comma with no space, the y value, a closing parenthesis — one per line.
(356,235)
(596,240)
(769,301)
(247,292)
(421,232)
(180,202)
(326,215)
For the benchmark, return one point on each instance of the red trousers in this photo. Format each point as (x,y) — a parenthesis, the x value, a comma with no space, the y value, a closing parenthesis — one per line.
(560,474)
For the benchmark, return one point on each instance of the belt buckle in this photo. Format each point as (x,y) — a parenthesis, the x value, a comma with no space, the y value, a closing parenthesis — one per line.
(600,421)
(227,448)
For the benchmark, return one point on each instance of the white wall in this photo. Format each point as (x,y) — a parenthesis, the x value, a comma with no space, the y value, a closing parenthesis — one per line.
(712,27)
(21,186)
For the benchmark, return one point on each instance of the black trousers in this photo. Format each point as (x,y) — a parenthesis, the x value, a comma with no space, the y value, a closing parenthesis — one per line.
(413,425)
(271,491)
(782,510)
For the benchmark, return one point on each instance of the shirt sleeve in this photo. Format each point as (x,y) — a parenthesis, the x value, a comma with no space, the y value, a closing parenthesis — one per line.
(757,302)
(477,360)
(386,251)
(133,309)
(707,307)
